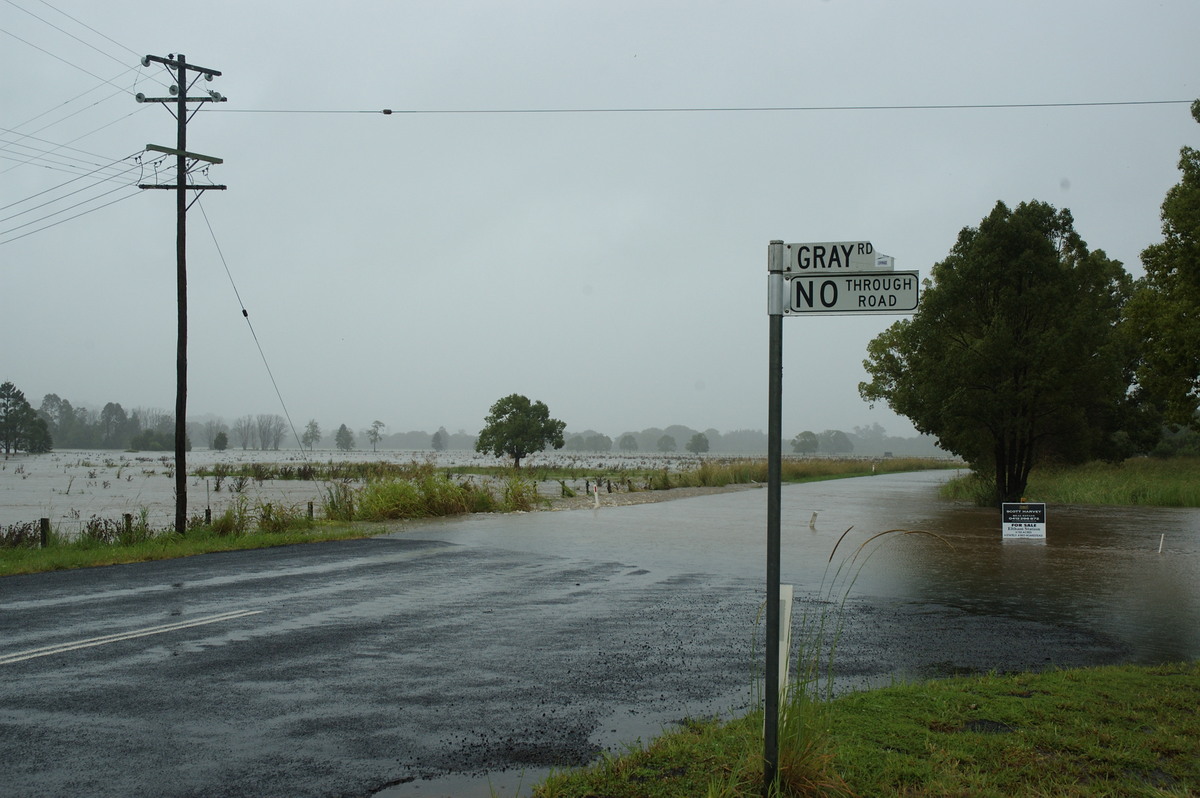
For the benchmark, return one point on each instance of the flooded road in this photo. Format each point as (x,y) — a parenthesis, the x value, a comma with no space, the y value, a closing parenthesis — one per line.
(458,656)
(1099,568)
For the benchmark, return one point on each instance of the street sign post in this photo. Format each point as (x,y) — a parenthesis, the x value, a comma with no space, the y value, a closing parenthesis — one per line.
(828,277)
(852,292)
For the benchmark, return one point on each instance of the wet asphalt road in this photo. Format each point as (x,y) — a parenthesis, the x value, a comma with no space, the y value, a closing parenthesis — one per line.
(473,646)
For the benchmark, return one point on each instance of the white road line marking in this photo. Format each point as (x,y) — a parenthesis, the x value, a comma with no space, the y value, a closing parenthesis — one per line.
(45,651)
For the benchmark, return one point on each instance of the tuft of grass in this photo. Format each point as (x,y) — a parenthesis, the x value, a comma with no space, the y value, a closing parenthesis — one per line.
(520,493)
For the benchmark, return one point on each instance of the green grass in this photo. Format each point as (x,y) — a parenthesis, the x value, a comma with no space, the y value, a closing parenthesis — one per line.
(1142,481)
(1126,731)
(165,545)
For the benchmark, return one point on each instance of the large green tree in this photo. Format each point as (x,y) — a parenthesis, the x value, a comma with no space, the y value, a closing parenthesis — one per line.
(1165,309)
(1016,352)
(516,427)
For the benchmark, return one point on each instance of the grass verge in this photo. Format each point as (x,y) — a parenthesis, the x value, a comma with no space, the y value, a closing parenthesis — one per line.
(167,545)
(1093,732)
(1144,481)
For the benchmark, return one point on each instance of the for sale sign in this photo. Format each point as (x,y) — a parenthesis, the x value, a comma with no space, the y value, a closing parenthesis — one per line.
(1023,519)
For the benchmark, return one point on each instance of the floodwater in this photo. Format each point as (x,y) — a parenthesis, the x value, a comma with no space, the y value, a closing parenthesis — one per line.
(1106,586)
(951,597)
(71,486)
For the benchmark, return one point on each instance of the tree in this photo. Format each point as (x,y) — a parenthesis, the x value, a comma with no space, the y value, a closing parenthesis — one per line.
(598,443)
(271,427)
(834,441)
(1015,353)
(518,428)
(220,441)
(210,429)
(37,438)
(698,443)
(21,428)
(666,443)
(114,427)
(628,443)
(243,430)
(1165,309)
(312,434)
(344,439)
(61,419)
(805,443)
(375,433)
(438,442)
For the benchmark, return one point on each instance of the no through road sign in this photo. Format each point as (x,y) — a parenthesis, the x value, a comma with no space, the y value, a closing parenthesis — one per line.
(852,292)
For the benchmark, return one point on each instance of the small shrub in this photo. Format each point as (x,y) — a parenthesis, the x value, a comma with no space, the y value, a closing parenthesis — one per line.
(274,518)
(24,535)
(137,532)
(234,521)
(101,531)
(339,502)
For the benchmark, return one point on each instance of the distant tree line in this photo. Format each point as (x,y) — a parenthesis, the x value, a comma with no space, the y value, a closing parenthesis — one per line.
(58,423)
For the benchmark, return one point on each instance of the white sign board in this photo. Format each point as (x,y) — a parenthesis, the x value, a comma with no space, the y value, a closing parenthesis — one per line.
(823,257)
(852,292)
(1023,520)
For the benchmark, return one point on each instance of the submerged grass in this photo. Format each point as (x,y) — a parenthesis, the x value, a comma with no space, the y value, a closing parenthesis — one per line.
(1092,732)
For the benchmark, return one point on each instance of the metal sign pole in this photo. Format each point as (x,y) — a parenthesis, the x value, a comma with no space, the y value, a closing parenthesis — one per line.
(775,300)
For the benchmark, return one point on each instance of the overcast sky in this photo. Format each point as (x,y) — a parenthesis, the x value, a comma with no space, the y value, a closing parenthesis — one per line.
(415,267)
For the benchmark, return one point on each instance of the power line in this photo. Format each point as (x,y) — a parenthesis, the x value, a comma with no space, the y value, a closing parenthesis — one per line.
(704,109)
(69,182)
(64,221)
(253,334)
(93,30)
(55,57)
(43,154)
(66,33)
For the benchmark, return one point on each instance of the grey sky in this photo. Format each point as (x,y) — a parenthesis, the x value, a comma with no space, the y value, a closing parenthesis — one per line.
(413,268)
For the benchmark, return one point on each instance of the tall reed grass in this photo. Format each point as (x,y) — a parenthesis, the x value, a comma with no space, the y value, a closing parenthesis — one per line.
(1144,481)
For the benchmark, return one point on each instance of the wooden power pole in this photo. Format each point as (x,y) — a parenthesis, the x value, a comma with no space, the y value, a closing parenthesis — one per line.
(184,161)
